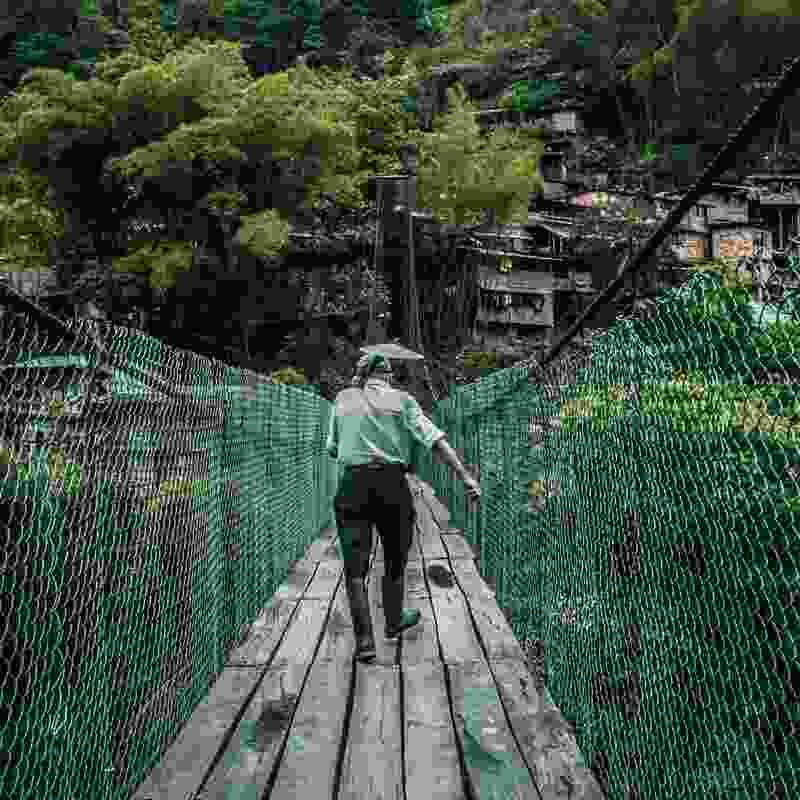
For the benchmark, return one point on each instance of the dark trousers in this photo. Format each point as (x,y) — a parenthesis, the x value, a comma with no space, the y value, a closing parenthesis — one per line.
(380,496)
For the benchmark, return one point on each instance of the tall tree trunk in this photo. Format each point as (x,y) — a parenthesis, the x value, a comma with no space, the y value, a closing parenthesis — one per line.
(109,287)
(439,290)
(413,328)
(101,242)
(649,114)
(246,338)
(394,264)
(777,133)
(463,302)
(627,125)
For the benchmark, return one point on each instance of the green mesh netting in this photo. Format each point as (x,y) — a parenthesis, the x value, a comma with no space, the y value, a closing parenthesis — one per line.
(140,535)
(639,519)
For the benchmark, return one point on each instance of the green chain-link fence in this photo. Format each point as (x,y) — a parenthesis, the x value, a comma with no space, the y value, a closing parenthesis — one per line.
(141,535)
(640,520)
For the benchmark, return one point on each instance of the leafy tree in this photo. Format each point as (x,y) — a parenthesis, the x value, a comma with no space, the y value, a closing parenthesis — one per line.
(171,138)
(28,225)
(462,174)
(151,26)
(768,7)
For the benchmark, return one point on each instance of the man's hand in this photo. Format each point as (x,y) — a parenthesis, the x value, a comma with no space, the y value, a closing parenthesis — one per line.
(472,490)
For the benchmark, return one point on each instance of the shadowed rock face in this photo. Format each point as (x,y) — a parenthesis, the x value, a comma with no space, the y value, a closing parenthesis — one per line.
(41,15)
(59,17)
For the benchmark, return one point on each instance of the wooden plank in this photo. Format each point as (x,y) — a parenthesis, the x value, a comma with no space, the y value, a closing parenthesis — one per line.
(333,549)
(495,632)
(419,498)
(251,754)
(432,760)
(263,636)
(415,551)
(438,510)
(386,651)
(434,509)
(266,630)
(420,643)
(491,757)
(338,642)
(372,764)
(314,552)
(430,540)
(421,503)
(545,738)
(308,767)
(325,580)
(180,772)
(454,628)
(294,587)
(456,545)
(299,577)
(415,583)
(471,581)
(430,543)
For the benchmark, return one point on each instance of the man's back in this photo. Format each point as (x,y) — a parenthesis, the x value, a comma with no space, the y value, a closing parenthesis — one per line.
(379,423)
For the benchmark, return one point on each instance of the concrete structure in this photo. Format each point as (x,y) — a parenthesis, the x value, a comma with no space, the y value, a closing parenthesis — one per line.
(523,270)
(774,201)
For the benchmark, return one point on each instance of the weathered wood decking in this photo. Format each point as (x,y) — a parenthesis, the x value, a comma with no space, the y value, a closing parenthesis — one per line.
(449,712)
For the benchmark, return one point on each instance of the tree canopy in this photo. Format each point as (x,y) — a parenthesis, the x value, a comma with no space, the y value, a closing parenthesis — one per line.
(198,110)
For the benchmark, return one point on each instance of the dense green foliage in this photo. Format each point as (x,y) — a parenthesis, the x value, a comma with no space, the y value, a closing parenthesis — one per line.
(219,113)
(480,360)
(290,376)
(530,95)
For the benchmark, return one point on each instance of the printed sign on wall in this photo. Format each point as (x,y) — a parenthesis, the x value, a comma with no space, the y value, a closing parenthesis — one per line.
(735,247)
(695,248)
(591,200)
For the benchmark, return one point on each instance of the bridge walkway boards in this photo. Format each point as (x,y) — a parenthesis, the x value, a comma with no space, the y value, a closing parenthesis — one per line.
(448,712)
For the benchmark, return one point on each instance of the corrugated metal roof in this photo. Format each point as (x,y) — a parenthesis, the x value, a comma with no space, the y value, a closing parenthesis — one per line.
(553,227)
(724,223)
(679,197)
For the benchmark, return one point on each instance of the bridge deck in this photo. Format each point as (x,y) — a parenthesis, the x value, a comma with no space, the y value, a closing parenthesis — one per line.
(449,712)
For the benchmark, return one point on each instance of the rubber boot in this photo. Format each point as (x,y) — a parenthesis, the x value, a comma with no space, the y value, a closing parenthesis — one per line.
(362,620)
(398,618)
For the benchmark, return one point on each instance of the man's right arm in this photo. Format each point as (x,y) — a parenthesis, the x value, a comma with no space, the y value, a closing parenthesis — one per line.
(444,454)
(441,451)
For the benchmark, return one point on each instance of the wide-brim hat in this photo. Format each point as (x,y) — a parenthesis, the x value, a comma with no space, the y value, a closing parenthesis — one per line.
(393,351)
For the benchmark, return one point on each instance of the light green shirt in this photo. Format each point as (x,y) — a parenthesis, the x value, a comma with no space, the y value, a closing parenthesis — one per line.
(378,423)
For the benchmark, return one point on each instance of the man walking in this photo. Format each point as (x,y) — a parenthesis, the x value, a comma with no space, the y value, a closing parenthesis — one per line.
(372,432)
